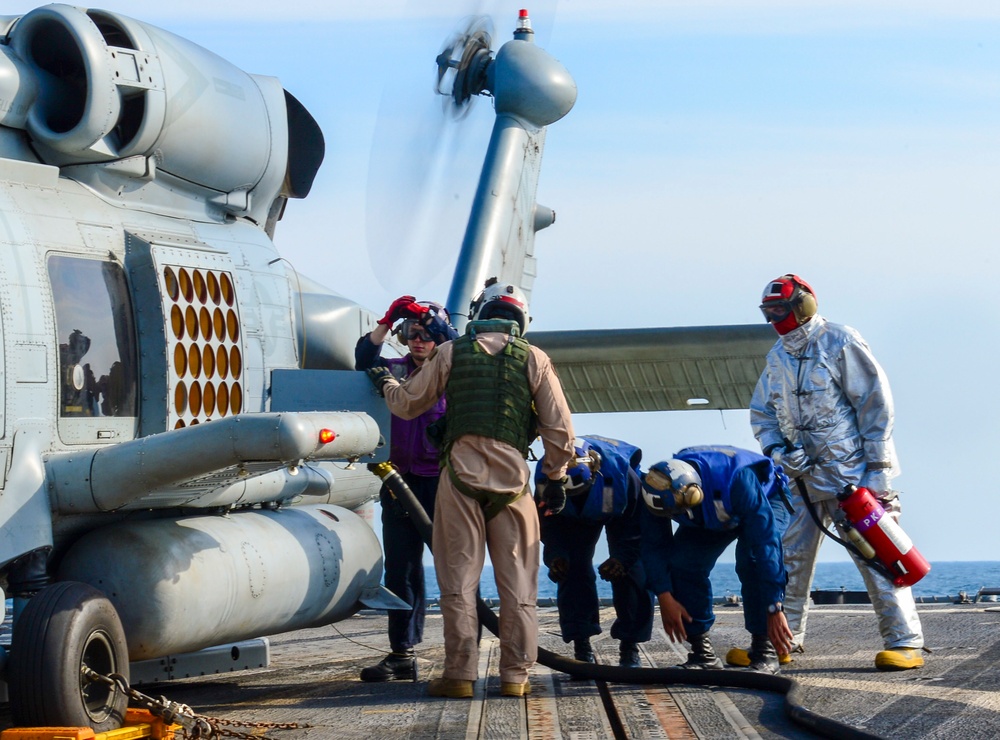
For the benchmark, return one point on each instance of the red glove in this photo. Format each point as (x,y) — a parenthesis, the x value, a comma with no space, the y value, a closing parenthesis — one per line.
(404,307)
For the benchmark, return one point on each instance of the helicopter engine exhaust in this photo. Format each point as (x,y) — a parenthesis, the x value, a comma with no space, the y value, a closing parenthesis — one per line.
(181,585)
(100,87)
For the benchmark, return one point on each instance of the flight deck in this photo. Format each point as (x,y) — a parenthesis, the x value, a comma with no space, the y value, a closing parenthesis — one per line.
(312,680)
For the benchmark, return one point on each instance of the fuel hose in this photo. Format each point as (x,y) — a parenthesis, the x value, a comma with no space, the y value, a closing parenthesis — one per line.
(806,718)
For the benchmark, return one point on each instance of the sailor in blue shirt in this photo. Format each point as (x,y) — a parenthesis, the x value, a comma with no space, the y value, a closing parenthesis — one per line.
(717,494)
(603,493)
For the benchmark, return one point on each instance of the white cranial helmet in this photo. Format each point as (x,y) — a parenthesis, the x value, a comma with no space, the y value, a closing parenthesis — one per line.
(501,301)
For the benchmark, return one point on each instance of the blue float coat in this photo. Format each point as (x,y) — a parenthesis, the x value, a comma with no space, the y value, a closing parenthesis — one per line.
(613,504)
(742,503)
(609,496)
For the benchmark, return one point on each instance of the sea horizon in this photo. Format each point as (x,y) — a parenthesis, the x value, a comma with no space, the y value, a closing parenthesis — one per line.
(947,578)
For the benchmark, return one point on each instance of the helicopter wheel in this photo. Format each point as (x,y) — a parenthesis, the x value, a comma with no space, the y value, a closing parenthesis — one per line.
(64,627)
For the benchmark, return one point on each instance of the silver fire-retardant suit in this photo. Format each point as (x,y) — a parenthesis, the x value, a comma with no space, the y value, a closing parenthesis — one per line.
(823,391)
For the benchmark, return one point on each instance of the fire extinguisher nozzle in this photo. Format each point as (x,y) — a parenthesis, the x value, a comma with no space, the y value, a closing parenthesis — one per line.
(849,489)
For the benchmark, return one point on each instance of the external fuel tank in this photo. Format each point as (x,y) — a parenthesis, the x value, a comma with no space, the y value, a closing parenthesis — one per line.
(184,584)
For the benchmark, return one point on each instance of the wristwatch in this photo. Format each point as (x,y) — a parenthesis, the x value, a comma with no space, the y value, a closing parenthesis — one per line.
(775,608)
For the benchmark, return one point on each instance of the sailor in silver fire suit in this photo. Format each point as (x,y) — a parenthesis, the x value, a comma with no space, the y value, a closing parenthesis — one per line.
(822,409)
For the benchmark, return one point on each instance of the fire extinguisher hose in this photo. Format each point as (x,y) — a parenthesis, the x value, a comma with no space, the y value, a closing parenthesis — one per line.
(806,718)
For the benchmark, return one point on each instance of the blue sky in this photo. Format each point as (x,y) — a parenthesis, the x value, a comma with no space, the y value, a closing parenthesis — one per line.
(714,146)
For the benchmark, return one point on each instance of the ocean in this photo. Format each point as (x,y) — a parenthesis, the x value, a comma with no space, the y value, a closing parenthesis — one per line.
(946,579)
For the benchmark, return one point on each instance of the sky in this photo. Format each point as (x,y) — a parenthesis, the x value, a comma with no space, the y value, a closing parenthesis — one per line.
(713,146)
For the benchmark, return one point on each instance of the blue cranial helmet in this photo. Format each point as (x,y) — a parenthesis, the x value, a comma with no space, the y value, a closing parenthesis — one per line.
(586,463)
(582,468)
(671,486)
(435,326)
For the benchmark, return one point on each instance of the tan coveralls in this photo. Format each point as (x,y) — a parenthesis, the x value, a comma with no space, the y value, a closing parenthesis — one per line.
(512,536)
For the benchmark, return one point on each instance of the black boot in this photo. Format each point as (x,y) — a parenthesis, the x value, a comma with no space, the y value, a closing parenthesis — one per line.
(401,666)
(582,650)
(763,656)
(702,655)
(628,655)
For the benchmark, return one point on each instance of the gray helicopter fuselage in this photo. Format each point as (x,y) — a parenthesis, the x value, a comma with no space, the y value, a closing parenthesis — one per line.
(182,434)
(143,310)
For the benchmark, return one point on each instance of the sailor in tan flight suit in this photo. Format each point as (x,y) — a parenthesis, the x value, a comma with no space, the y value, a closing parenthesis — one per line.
(500,391)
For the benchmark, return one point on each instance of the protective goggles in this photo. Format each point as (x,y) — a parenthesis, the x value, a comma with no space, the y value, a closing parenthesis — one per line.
(411,329)
(775,311)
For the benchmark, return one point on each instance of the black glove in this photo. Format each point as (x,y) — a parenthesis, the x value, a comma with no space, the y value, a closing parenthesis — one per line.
(612,570)
(379,375)
(552,496)
(558,570)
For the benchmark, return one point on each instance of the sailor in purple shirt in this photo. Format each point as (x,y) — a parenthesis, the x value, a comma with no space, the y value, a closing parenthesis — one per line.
(422,326)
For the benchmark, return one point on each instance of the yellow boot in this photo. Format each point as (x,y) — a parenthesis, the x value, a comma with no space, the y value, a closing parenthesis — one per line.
(899,659)
(452,688)
(740,657)
(515,689)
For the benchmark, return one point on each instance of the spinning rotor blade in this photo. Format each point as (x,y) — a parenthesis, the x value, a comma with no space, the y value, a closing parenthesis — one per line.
(424,165)
(428,147)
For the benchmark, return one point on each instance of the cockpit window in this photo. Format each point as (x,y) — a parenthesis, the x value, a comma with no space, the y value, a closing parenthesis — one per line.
(97,359)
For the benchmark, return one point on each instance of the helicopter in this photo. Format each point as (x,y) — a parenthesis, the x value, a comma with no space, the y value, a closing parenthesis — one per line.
(183,437)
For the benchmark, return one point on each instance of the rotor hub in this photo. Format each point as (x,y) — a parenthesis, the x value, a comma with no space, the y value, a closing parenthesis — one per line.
(463,62)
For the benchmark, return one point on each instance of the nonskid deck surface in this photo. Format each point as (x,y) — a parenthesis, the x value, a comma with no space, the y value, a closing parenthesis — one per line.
(313,680)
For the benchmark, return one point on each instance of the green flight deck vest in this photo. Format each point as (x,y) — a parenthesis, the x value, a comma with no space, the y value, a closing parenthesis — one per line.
(489,395)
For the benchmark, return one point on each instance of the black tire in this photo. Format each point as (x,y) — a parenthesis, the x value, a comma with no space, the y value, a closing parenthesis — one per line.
(62,628)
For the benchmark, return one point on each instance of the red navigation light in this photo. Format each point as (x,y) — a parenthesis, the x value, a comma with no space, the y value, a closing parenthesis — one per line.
(523,25)
(326,436)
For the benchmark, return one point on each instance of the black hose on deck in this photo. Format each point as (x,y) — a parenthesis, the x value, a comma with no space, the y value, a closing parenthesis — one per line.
(817,723)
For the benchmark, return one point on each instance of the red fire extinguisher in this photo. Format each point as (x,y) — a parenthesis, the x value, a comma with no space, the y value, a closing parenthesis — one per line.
(888,540)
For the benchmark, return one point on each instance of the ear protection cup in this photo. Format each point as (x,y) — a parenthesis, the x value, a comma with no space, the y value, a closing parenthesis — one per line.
(805,306)
(790,294)
(670,487)
(689,496)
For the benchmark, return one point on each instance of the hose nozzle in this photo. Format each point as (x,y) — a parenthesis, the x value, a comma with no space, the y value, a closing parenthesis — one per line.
(383,469)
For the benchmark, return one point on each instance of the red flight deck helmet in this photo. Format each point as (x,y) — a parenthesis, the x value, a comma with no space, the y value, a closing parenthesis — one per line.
(788,302)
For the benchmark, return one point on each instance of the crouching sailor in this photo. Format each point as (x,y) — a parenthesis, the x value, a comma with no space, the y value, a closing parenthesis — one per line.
(717,495)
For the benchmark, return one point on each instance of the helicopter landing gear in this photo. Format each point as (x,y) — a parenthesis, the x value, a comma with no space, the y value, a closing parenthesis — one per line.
(63,628)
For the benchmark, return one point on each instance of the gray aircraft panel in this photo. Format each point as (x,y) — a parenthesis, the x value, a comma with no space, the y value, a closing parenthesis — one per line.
(177,405)
(332,390)
(670,369)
